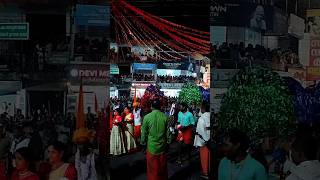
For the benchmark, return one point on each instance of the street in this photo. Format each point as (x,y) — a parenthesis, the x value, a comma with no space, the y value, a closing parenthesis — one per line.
(133,166)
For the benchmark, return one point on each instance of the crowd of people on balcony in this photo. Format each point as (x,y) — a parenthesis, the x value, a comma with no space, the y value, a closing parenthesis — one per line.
(239,53)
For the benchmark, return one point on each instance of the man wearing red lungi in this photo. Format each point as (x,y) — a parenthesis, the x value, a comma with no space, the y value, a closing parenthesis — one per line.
(186,123)
(154,135)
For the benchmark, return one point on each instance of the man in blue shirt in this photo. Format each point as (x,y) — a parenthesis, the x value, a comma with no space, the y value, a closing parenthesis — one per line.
(186,123)
(238,164)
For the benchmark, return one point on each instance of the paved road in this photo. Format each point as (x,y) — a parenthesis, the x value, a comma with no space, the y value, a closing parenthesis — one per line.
(133,166)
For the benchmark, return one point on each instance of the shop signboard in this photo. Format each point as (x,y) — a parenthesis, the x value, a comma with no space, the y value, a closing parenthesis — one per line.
(9,87)
(144,66)
(313,73)
(168,72)
(171,85)
(313,22)
(255,16)
(114,69)
(315,51)
(92,15)
(141,85)
(89,73)
(183,65)
(14,31)
(59,58)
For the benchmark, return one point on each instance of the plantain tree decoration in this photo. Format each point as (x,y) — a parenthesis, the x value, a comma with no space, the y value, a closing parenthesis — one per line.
(190,94)
(258,102)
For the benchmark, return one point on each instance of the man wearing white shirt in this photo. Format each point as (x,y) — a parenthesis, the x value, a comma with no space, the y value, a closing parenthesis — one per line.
(203,134)
(304,154)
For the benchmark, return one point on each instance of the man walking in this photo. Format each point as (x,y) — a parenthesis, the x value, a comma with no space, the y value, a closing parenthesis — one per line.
(186,123)
(154,135)
(202,135)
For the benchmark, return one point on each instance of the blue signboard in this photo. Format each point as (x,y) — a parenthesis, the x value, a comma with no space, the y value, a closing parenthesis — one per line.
(144,66)
(92,15)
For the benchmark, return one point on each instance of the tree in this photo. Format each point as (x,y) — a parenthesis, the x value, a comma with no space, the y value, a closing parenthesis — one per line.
(190,94)
(258,102)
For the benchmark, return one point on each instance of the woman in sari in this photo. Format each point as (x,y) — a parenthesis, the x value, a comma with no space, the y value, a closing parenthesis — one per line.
(116,139)
(129,130)
(23,160)
(59,169)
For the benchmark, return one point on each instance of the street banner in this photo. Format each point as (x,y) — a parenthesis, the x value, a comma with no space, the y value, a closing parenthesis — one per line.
(314,51)
(144,66)
(14,31)
(90,73)
(255,16)
(313,73)
(92,15)
(313,22)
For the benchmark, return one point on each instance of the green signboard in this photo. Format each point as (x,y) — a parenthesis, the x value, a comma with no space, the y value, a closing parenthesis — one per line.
(114,69)
(14,31)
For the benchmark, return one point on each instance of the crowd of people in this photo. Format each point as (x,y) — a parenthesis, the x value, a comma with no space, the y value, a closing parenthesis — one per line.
(123,55)
(240,54)
(91,50)
(42,146)
(175,79)
(193,127)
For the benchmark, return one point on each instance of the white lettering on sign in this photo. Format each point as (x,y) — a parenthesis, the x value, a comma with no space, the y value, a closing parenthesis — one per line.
(171,85)
(103,73)
(216,10)
(89,73)
(316,62)
(315,43)
(315,52)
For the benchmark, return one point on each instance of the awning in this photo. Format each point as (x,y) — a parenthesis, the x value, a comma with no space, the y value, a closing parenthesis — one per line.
(61,86)
(9,87)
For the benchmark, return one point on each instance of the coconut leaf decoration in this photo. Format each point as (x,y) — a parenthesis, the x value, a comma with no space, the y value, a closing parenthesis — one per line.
(258,102)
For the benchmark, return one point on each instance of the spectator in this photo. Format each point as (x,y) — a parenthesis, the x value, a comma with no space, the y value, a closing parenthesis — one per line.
(238,163)
(304,154)
(59,169)
(4,151)
(23,161)
(203,135)
(85,163)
